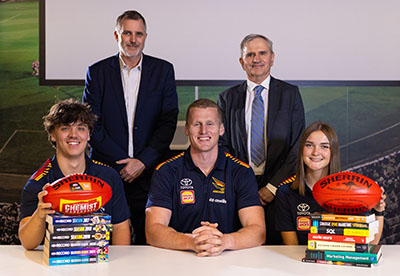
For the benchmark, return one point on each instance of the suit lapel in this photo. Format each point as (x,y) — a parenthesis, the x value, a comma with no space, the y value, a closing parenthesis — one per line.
(144,82)
(273,105)
(118,89)
(239,111)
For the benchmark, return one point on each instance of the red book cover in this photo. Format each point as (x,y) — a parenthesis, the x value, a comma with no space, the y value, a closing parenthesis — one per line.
(337,238)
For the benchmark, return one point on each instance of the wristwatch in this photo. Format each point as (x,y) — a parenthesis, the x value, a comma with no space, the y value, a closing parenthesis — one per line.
(378,213)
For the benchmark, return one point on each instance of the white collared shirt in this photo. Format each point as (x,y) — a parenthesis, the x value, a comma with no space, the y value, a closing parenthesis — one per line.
(130,83)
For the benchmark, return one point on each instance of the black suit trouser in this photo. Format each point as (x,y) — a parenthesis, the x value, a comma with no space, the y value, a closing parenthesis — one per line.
(273,237)
(136,196)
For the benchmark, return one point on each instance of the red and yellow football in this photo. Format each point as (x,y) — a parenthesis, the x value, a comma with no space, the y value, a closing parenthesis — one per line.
(78,194)
(347,193)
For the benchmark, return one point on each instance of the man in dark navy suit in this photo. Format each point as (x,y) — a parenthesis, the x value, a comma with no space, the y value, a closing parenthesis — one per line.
(134,97)
(263,119)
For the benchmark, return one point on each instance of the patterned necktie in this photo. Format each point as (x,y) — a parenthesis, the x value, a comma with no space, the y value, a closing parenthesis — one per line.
(257,127)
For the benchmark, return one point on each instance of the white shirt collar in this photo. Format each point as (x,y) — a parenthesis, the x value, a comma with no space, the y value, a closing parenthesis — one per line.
(123,65)
(251,85)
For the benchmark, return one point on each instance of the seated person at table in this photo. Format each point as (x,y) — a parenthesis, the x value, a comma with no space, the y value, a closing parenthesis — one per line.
(203,199)
(69,124)
(318,157)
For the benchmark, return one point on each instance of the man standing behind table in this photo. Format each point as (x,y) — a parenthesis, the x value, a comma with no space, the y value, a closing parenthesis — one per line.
(204,199)
(264,119)
(134,97)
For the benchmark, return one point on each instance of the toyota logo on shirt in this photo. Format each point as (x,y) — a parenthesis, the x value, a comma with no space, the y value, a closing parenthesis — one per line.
(186,183)
(303,207)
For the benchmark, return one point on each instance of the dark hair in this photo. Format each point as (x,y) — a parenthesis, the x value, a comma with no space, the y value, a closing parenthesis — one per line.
(334,162)
(134,15)
(66,112)
(203,103)
(250,37)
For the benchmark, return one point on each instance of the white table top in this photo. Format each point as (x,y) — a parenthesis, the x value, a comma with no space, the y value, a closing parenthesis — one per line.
(147,260)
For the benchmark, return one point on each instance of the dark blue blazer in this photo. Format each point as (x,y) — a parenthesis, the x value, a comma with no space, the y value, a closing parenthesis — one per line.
(285,124)
(155,116)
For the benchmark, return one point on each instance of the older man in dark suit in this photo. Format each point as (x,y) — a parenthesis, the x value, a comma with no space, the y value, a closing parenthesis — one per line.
(134,97)
(264,119)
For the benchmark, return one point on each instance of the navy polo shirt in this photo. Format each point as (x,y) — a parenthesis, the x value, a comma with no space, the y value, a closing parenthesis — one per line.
(180,186)
(293,210)
(117,206)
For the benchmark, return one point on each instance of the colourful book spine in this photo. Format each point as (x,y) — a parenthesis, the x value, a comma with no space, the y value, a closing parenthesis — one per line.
(340,231)
(307,260)
(77,252)
(344,224)
(96,218)
(346,218)
(338,238)
(75,260)
(54,245)
(76,228)
(337,246)
(372,256)
(77,236)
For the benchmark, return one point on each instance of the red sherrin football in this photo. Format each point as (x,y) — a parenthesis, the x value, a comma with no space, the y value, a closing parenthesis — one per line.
(347,193)
(78,194)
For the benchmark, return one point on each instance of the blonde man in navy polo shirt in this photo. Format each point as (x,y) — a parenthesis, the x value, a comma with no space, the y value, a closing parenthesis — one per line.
(203,199)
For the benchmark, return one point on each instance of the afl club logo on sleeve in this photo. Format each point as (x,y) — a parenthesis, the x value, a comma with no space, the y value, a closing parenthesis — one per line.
(187,197)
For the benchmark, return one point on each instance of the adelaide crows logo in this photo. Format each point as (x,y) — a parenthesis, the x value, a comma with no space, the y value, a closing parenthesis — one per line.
(219,186)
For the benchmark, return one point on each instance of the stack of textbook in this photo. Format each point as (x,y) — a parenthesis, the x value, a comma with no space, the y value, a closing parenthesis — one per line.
(77,239)
(343,240)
